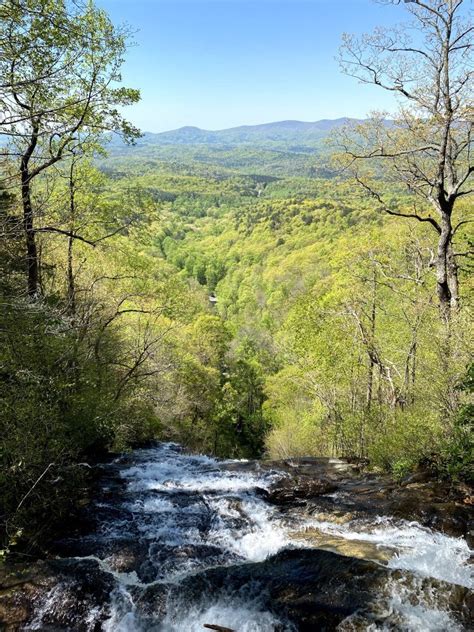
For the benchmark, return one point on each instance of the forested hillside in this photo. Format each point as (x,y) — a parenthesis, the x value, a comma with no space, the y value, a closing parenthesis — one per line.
(330,303)
(243,293)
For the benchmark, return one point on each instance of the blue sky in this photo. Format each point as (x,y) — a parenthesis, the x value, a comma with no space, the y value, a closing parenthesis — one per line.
(222,63)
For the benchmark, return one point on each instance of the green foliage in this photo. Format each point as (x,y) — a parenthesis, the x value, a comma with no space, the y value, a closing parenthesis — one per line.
(280,364)
(301,266)
(237,298)
(11,260)
(53,101)
(57,406)
(401,468)
(295,267)
(457,456)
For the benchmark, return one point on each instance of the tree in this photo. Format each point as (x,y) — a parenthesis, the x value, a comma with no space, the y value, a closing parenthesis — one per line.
(81,210)
(10,243)
(428,148)
(61,61)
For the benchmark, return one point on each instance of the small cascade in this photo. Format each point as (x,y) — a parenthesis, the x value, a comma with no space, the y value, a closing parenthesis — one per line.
(183,541)
(413,547)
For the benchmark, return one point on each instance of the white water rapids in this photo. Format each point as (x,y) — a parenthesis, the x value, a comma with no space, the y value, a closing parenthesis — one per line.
(190,513)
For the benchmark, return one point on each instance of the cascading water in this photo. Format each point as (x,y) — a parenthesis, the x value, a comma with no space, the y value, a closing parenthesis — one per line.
(179,520)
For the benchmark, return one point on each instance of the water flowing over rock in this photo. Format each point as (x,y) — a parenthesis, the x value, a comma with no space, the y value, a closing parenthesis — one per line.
(181,543)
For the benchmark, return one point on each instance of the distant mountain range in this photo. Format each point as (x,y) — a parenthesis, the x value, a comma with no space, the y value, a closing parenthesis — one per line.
(278,132)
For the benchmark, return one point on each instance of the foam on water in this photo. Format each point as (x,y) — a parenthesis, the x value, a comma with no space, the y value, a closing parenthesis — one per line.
(152,505)
(124,617)
(241,522)
(190,513)
(410,605)
(263,537)
(184,473)
(239,610)
(415,548)
(243,618)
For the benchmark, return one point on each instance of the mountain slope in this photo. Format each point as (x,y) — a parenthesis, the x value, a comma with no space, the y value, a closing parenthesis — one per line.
(300,132)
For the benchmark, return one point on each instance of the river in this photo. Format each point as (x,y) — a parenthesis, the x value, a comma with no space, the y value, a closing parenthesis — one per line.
(179,542)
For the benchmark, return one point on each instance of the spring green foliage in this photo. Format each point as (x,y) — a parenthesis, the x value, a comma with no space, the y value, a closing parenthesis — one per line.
(325,338)
(457,458)
(237,298)
(336,299)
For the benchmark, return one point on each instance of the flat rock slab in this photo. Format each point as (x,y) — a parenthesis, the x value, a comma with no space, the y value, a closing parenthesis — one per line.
(337,484)
(313,589)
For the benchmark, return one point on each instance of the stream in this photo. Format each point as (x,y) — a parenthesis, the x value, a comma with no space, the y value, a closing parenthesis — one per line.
(179,542)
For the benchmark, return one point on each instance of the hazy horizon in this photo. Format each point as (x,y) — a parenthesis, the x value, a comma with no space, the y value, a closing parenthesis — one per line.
(260,124)
(219,64)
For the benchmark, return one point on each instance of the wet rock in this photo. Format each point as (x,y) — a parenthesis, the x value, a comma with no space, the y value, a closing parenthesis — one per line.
(57,595)
(165,560)
(433,505)
(314,589)
(151,601)
(335,484)
(20,589)
(128,558)
(338,544)
(193,518)
(80,598)
(320,590)
(420,476)
(299,489)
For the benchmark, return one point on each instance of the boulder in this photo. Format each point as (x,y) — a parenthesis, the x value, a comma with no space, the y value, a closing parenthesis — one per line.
(318,590)
(298,489)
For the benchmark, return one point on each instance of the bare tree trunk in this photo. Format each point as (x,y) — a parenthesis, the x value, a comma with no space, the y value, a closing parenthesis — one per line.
(71,290)
(446,268)
(28,225)
(431,152)
(28,215)
(373,316)
(453,280)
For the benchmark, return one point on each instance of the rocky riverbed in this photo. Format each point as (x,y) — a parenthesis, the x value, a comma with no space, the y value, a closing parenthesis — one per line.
(174,542)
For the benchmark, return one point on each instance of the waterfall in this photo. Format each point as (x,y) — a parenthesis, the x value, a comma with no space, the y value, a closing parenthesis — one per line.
(182,541)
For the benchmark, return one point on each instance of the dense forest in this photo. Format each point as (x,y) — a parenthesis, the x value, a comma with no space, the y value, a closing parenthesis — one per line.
(269,292)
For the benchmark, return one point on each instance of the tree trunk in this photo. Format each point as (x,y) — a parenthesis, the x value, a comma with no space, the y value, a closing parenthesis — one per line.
(28,225)
(373,316)
(71,290)
(28,216)
(453,281)
(446,268)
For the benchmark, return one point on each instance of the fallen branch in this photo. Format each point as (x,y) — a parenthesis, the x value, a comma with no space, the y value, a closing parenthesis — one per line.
(32,488)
